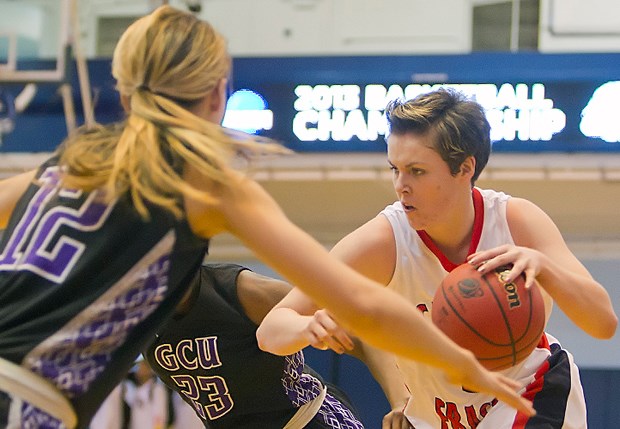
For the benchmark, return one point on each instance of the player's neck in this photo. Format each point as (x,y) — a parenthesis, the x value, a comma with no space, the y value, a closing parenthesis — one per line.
(453,236)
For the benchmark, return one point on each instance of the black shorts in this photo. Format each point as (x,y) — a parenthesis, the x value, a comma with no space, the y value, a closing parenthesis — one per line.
(5,404)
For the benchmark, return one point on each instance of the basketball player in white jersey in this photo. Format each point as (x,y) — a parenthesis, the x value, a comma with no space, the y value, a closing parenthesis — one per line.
(438,145)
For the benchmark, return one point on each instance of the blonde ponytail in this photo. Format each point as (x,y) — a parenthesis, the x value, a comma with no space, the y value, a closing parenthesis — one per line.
(164,63)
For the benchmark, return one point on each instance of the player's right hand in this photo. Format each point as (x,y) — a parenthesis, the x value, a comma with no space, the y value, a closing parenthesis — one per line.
(396,419)
(324,333)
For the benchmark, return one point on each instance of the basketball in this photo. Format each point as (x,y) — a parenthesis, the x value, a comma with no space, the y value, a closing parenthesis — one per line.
(501,323)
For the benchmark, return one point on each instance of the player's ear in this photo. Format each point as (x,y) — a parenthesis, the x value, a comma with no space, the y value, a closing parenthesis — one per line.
(218,98)
(212,106)
(468,167)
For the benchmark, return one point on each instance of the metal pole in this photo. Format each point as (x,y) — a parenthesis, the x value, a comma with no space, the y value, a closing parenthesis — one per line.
(514,25)
(82,67)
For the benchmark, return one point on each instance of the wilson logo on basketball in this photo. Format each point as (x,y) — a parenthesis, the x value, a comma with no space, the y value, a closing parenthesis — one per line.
(470,288)
(501,326)
(510,289)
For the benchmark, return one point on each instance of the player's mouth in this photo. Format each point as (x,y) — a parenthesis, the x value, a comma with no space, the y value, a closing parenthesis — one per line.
(407,207)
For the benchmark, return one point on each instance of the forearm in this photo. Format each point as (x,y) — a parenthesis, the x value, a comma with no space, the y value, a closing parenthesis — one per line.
(387,322)
(420,340)
(581,298)
(281,332)
(542,254)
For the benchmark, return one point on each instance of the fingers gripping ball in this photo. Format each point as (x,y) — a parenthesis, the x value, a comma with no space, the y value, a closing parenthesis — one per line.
(501,323)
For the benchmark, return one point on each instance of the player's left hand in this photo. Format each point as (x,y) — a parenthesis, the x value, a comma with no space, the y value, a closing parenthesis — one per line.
(324,333)
(473,376)
(523,259)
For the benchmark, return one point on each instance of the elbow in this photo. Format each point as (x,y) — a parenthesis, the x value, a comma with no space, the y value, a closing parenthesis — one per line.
(267,343)
(609,329)
(262,340)
(606,329)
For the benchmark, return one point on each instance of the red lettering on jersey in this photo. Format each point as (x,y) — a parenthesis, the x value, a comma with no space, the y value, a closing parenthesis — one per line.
(452,412)
(472,417)
(450,415)
(439,405)
(486,407)
(422,307)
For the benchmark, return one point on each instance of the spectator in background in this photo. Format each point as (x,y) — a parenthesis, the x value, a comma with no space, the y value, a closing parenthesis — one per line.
(184,416)
(147,398)
(112,412)
(141,401)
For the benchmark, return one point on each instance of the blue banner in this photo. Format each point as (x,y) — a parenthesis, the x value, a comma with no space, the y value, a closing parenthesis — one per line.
(534,102)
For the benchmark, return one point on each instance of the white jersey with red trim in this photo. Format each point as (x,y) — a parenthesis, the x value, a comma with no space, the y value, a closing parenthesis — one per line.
(435,403)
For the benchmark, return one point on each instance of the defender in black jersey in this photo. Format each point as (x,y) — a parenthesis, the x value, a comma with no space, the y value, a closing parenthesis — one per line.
(209,354)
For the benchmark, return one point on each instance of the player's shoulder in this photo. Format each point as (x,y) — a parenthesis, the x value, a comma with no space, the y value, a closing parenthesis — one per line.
(370,249)
(521,207)
(527,221)
(375,233)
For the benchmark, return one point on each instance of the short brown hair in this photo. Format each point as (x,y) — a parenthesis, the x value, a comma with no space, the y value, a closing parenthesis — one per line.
(459,125)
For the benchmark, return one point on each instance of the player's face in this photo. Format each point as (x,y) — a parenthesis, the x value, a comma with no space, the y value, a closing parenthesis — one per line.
(430,195)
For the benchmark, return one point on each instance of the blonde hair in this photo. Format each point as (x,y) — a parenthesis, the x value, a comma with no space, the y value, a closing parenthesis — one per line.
(164,64)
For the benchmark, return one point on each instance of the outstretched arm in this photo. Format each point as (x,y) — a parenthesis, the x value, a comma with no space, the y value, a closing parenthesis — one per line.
(369,311)
(296,323)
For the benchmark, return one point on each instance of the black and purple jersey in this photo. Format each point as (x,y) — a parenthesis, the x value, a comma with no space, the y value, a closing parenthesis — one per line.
(210,355)
(83,287)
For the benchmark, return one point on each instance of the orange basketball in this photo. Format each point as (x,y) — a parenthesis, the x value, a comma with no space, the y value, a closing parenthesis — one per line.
(501,323)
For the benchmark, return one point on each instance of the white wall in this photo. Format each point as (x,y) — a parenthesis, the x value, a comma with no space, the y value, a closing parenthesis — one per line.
(579,26)
(36,22)
(281,27)
(331,27)
(334,27)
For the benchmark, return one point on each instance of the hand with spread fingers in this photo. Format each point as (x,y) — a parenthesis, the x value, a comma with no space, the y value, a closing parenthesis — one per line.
(523,260)
(473,377)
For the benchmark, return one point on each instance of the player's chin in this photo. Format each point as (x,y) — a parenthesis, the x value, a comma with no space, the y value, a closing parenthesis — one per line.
(415,220)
